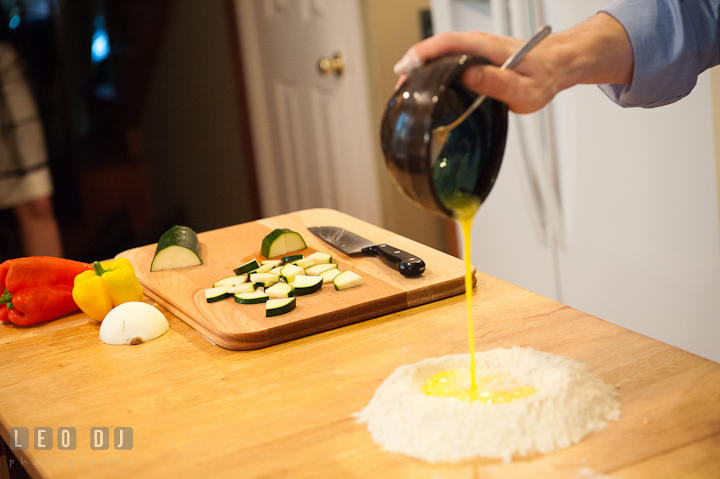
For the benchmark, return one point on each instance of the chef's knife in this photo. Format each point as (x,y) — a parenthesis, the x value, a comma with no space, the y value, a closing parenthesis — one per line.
(350,243)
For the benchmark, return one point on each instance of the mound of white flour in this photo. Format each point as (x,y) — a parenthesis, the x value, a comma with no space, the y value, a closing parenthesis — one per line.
(570,402)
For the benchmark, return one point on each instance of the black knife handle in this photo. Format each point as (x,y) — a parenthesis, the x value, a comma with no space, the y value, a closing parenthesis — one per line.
(408,264)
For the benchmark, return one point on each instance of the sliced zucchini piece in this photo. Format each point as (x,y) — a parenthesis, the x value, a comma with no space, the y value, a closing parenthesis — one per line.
(289,271)
(304,263)
(216,294)
(251,298)
(262,269)
(320,257)
(178,247)
(291,258)
(273,262)
(264,279)
(329,275)
(276,307)
(280,242)
(279,290)
(316,269)
(306,284)
(247,267)
(275,270)
(231,280)
(347,279)
(243,288)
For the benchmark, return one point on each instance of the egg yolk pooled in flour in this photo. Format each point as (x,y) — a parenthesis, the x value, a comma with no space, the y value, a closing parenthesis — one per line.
(490,389)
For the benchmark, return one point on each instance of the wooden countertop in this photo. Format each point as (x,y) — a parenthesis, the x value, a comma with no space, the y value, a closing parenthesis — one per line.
(201,411)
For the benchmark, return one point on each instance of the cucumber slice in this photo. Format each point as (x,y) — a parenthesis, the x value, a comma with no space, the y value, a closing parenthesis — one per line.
(273,262)
(304,263)
(281,241)
(247,267)
(329,275)
(291,259)
(347,279)
(231,280)
(178,247)
(243,288)
(279,290)
(306,284)
(264,279)
(316,269)
(251,298)
(216,294)
(276,307)
(289,271)
(262,269)
(321,258)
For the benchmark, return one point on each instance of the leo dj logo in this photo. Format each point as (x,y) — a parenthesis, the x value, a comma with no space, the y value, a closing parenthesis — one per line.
(122,438)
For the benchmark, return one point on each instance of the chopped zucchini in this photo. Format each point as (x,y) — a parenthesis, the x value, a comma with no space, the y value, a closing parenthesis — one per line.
(279,290)
(216,294)
(275,270)
(262,269)
(289,271)
(304,263)
(178,247)
(291,258)
(247,267)
(329,275)
(281,242)
(320,257)
(306,284)
(347,279)
(243,288)
(231,280)
(251,298)
(264,279)
(316,269)
(273,262)
(276,307)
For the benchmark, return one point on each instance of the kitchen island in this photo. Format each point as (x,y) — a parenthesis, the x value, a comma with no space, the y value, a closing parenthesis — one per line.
(198,410)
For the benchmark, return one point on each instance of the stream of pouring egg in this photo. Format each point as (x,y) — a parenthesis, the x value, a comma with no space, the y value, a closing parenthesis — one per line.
(453,383)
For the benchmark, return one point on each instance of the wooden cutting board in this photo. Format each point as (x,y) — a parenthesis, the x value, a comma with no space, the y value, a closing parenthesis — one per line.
(241,327)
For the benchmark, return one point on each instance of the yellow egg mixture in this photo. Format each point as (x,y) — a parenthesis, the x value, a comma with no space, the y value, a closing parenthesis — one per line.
(454,383)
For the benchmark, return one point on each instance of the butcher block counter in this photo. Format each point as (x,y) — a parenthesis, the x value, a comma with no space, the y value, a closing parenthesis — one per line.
(199,410)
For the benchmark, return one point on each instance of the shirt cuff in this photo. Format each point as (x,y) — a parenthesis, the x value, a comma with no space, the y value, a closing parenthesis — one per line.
(663,71)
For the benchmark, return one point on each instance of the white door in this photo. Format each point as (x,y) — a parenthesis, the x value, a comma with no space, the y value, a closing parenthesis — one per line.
(311,130)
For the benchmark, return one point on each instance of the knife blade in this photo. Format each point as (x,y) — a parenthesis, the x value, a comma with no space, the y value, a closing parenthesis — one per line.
(350,243)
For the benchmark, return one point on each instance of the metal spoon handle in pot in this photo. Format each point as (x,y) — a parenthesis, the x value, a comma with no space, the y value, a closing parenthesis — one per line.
(515,58)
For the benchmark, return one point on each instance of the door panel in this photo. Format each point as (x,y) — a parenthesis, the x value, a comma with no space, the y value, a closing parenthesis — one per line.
(322,126)
(312,129)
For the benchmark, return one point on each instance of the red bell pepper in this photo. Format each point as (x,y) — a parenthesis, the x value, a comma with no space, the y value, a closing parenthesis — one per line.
(38,288)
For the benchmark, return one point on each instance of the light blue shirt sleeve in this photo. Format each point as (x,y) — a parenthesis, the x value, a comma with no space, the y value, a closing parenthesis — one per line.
(673,41)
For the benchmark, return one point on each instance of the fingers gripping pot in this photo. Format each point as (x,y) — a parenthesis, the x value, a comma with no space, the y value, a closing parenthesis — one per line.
(466,168)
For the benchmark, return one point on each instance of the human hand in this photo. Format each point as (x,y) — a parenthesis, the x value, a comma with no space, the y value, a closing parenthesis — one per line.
(595,51)
(527,88)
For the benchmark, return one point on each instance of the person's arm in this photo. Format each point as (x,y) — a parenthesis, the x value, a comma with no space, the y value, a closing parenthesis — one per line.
(673,41)
(595,51)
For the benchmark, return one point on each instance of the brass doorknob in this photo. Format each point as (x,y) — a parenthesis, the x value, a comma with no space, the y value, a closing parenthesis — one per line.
(335,65)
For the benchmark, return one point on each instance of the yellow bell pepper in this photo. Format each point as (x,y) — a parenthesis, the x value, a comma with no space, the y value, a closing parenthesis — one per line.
(109,284)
